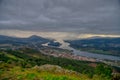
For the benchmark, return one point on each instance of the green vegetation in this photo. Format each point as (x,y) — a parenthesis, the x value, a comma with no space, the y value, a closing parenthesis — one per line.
(104,71)
(20,65)
(97,51)
(18,73)
(108,46)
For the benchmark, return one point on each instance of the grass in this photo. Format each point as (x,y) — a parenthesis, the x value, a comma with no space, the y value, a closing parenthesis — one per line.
(12,69)
(18,73)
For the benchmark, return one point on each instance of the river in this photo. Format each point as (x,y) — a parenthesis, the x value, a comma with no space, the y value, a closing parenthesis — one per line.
(65,45)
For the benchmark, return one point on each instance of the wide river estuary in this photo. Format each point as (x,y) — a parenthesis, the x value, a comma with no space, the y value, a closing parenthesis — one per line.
(65,45)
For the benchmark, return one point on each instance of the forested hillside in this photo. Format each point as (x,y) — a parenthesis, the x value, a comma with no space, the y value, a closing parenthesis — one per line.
(22,64)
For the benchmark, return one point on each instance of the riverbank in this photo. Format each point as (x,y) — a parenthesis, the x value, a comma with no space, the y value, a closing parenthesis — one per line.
(64,53)
(66,45)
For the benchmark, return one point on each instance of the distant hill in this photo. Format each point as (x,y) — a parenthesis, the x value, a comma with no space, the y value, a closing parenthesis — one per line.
(32,41)
(34,38)
(98,45)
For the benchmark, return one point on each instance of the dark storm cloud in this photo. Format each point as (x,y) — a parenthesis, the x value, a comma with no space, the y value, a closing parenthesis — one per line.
(81,16)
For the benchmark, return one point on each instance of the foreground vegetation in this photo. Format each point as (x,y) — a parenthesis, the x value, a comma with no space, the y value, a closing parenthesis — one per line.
(45,73)
(21,65)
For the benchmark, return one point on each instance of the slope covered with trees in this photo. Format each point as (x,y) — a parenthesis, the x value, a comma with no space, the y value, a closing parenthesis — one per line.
(20,64)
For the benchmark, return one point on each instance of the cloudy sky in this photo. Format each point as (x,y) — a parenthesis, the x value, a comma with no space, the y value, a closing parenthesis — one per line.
(63,16)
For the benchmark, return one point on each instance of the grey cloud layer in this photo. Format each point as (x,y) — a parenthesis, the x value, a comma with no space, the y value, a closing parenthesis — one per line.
(81,16)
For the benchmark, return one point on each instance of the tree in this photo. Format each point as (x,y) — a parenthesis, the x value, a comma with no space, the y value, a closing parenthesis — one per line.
(103,70)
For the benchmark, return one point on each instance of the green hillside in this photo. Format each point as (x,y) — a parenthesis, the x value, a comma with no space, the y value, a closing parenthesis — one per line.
(45,72)
(29,64)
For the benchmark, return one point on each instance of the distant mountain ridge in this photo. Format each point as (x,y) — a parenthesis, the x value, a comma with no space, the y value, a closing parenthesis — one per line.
(23,41)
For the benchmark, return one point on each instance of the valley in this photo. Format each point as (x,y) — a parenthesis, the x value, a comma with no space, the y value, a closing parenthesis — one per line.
(26,53)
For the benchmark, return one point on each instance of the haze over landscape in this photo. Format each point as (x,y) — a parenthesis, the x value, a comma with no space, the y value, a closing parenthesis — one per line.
(59,39)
